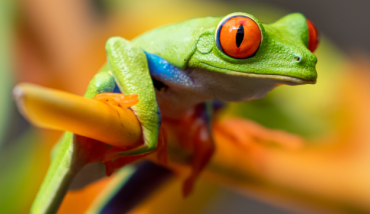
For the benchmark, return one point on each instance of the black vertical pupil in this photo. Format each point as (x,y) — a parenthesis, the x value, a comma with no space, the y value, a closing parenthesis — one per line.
(239,35)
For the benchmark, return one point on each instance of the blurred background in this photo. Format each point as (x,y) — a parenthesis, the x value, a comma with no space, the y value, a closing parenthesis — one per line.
(60,44)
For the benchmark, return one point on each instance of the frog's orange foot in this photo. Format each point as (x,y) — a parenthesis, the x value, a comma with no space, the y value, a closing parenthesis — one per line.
(117,99)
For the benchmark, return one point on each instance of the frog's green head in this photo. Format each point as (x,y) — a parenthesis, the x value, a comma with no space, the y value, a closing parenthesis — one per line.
(241,46)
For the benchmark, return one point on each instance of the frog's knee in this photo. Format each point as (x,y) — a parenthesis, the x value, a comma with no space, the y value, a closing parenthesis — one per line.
(116,43)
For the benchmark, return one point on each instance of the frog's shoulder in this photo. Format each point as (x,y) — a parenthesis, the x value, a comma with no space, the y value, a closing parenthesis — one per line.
(177,42)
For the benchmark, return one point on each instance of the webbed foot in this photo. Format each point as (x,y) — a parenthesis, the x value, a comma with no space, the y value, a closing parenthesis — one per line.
(117,99)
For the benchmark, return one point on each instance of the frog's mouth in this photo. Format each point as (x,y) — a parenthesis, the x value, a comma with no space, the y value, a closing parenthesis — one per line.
(286,79)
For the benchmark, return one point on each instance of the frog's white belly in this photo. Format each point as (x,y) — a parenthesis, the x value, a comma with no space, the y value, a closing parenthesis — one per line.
(194,86)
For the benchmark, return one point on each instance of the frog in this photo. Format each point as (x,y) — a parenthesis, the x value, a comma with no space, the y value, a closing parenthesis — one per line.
(184,72)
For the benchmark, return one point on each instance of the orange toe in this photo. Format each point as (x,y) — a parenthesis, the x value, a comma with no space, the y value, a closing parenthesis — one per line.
(117,99)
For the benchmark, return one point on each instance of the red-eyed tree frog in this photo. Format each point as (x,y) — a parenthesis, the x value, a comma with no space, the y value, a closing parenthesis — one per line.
(181,70)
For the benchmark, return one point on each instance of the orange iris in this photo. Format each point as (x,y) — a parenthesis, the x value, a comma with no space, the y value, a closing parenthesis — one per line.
(313,36)
(239,37)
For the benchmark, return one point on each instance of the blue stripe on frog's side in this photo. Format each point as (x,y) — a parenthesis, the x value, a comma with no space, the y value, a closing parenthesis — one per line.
(161,69)
(116,89)
(164,71)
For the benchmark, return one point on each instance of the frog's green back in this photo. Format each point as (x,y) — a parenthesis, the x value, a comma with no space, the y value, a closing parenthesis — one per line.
(177,42)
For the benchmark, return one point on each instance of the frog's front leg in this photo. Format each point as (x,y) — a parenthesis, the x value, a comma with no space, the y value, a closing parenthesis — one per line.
(128,65)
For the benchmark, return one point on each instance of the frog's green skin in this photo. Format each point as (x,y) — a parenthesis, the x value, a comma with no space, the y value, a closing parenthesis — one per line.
(201,73)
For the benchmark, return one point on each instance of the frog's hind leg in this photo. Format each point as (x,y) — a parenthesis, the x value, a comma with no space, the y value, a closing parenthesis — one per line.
(202,140)
(203,150)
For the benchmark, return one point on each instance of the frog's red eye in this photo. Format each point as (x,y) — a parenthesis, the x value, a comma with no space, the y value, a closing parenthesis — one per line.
(313,36)
(238,36)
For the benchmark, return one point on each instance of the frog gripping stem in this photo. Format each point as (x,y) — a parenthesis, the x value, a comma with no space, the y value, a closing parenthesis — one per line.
(117,99)
(113,159)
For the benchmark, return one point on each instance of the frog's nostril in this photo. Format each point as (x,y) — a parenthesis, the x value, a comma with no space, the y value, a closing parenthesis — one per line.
(297,58)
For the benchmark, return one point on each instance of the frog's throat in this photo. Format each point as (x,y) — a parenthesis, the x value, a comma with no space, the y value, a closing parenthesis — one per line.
(294,80)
